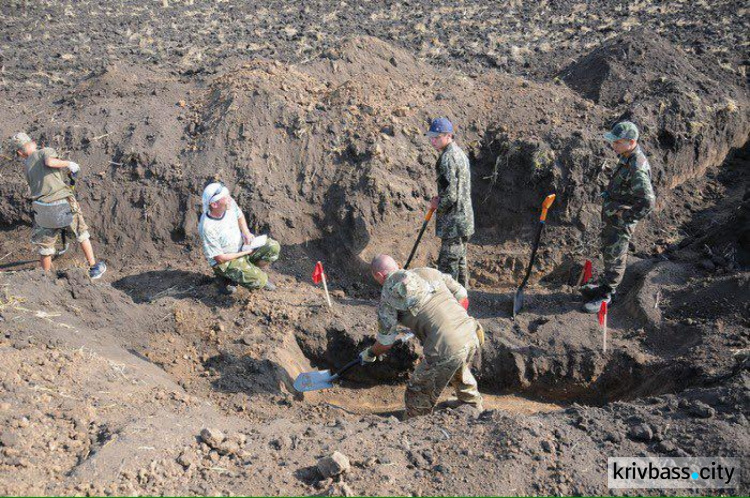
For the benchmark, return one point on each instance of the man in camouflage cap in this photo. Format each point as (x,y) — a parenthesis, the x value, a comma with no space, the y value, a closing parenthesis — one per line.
(55,207)
(455,215)
(433,305)
(628,199)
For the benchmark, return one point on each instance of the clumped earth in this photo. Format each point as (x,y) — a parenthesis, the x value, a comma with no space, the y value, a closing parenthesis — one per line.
(148,381)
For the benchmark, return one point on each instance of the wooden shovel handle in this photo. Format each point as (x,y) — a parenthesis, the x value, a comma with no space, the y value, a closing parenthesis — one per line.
(545,206)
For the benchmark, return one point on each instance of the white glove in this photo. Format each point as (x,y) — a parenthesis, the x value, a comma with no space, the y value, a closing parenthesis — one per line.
(73,167)
(366,356)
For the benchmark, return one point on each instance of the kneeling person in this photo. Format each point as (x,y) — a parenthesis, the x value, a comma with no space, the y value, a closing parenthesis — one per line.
(223,231)
(433,305)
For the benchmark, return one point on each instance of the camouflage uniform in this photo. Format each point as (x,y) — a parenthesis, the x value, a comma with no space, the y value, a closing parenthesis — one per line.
(631,194)
(426,301)
(455,215)
(244,270)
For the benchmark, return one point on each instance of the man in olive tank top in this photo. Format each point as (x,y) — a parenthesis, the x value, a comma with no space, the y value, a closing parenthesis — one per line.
(51,194)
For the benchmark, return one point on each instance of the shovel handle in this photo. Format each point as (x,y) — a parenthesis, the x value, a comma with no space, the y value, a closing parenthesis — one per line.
(545,206)
(429,214)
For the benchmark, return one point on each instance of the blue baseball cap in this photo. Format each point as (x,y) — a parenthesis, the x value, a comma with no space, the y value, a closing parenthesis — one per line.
(440,126)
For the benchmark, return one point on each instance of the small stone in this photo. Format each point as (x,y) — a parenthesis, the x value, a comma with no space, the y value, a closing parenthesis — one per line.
(346,490)
(666,447)
(187,458)
(333,465)
(229,447)
(701,410)
(641,432)
(8,439)
(282,443)
(547,446)
(212,437)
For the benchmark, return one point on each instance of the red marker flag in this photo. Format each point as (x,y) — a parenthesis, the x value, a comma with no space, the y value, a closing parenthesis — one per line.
(603,323)
(587,271)
(317,275)
(320,276)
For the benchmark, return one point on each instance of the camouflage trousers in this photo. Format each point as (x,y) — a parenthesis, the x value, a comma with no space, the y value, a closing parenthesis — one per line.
(245,272)
(432,376)
(452,259)
(615,242)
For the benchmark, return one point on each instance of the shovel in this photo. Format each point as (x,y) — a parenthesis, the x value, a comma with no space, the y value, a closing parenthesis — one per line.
(427,219)
(315,381)
(518,298)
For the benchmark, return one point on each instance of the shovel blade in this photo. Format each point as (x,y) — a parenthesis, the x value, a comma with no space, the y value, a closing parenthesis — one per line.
(314,381)
(517,301)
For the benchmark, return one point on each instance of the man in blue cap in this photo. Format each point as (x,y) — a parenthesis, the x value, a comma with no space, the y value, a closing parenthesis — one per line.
(455,215)
(629,197)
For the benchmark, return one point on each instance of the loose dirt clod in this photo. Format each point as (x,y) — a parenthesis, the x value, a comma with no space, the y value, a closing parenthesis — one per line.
(333,465)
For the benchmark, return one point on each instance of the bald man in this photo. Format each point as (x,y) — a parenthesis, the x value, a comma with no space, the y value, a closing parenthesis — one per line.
(433,305)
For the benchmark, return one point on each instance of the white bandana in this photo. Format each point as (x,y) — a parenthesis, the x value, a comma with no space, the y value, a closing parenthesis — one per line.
(212,193)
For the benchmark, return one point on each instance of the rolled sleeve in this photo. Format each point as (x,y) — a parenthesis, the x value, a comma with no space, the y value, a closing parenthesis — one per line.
(458,290)
(387,324)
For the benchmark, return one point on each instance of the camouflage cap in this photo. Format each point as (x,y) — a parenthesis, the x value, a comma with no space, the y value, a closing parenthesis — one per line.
(622,130)
(19,140)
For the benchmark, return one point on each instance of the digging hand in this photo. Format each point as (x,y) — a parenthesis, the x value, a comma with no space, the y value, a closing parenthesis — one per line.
(367,356)
(74,168)
(434,203)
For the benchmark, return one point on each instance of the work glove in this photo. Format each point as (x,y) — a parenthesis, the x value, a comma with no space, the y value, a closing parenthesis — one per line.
(73,168)
(366,356)
(480,334)
(465,303)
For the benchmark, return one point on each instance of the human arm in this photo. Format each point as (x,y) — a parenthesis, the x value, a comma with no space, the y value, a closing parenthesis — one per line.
(643,192)
(51,161)
(247,236)
(223,258)
(458,290)
(447,183)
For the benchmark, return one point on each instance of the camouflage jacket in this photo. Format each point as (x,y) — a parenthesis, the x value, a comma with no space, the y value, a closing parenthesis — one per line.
(407,292)
(455,215)
(629,191)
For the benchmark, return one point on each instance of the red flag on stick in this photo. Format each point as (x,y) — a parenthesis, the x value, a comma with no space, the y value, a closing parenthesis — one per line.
(603,323)
(317,275)
(603,313)
(320,276)
(587,271)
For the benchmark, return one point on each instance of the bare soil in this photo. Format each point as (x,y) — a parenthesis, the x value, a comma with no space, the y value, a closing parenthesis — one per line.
(151,382)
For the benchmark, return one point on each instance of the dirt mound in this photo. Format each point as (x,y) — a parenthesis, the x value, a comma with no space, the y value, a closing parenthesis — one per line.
(329,154)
